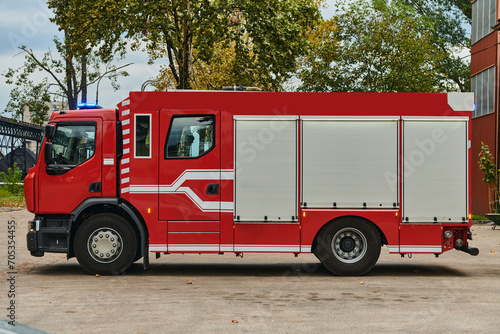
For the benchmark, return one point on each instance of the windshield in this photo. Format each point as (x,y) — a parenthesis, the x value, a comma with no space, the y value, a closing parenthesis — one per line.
(73,144)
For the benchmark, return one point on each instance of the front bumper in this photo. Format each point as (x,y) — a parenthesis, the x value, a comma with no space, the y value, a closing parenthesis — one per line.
(48,234)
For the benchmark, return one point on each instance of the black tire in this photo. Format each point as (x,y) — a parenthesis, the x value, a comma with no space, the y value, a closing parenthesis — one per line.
(138,255)
(105,244)
(348,247)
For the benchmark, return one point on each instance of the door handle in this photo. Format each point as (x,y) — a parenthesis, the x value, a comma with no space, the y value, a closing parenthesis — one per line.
(213,189)
(95,187)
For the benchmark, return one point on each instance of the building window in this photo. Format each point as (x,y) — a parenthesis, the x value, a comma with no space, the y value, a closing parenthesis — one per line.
(190,136)
(483,18)
(483,86)
(142,131)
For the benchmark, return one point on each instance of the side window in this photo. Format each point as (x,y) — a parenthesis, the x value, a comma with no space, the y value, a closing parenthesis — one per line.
(190,136)
(73,144)
(142,147)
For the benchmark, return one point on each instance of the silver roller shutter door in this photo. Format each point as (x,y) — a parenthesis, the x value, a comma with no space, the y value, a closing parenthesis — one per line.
(266,169)
(435,171)
(351,163)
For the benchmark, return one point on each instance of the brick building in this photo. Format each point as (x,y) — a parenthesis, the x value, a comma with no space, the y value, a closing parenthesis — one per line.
(485,64)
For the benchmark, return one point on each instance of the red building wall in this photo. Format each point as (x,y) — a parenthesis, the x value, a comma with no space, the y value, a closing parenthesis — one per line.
(483,130)
(484,54)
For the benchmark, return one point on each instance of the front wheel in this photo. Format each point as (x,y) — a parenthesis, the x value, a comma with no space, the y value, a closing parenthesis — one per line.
(348,247)
(105,244)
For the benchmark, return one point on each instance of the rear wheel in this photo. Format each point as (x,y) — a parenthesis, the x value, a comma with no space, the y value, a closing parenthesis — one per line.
(105,244)
(348,247)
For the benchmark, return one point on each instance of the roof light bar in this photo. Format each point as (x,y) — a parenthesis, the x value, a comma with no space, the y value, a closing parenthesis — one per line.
(88,106)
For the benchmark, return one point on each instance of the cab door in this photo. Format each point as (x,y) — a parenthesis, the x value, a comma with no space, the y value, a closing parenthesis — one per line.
(189,188)
(74,173)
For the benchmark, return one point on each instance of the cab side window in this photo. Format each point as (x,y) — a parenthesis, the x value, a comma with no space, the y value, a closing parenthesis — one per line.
(190,136)
(142,148)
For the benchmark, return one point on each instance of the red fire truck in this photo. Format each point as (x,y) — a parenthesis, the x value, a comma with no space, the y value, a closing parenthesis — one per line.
(335,174)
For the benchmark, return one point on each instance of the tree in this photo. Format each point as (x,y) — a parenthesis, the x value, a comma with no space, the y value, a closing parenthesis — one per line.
(372,46)
(29,95)
(63,80)
(87,31)
(83,58)
(264,38)
(448,19)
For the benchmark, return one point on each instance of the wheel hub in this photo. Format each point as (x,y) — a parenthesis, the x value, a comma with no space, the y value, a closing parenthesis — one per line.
(104,245)
(349,245)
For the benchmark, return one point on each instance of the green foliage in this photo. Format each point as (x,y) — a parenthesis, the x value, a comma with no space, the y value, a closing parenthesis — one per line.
(465,6)
(9,200)
(4,193)
(269,39)
(448,19)
(11,181)
(382,45)
(91,27)
(263,38)
(371,46)
(479,217)
(66,76)
(81,59)
(487,165)
(490,173)
(30,96)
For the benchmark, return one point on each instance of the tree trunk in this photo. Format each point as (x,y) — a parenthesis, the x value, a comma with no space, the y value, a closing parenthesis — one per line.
(185,64)
(83,80)
(69,83)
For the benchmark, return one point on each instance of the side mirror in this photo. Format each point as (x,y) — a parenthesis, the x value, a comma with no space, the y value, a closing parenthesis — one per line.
(47,154)
(50,129)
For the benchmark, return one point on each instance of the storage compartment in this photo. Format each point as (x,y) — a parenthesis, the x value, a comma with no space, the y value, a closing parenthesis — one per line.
(266,169)
(267,237)
(435,170)
(420,238)
(350,163)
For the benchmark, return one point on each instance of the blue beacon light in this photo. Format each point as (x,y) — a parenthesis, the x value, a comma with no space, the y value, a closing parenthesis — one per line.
(88,106)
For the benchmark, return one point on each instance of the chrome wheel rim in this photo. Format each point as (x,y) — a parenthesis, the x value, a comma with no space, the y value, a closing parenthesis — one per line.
(105,245)
(349,245)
